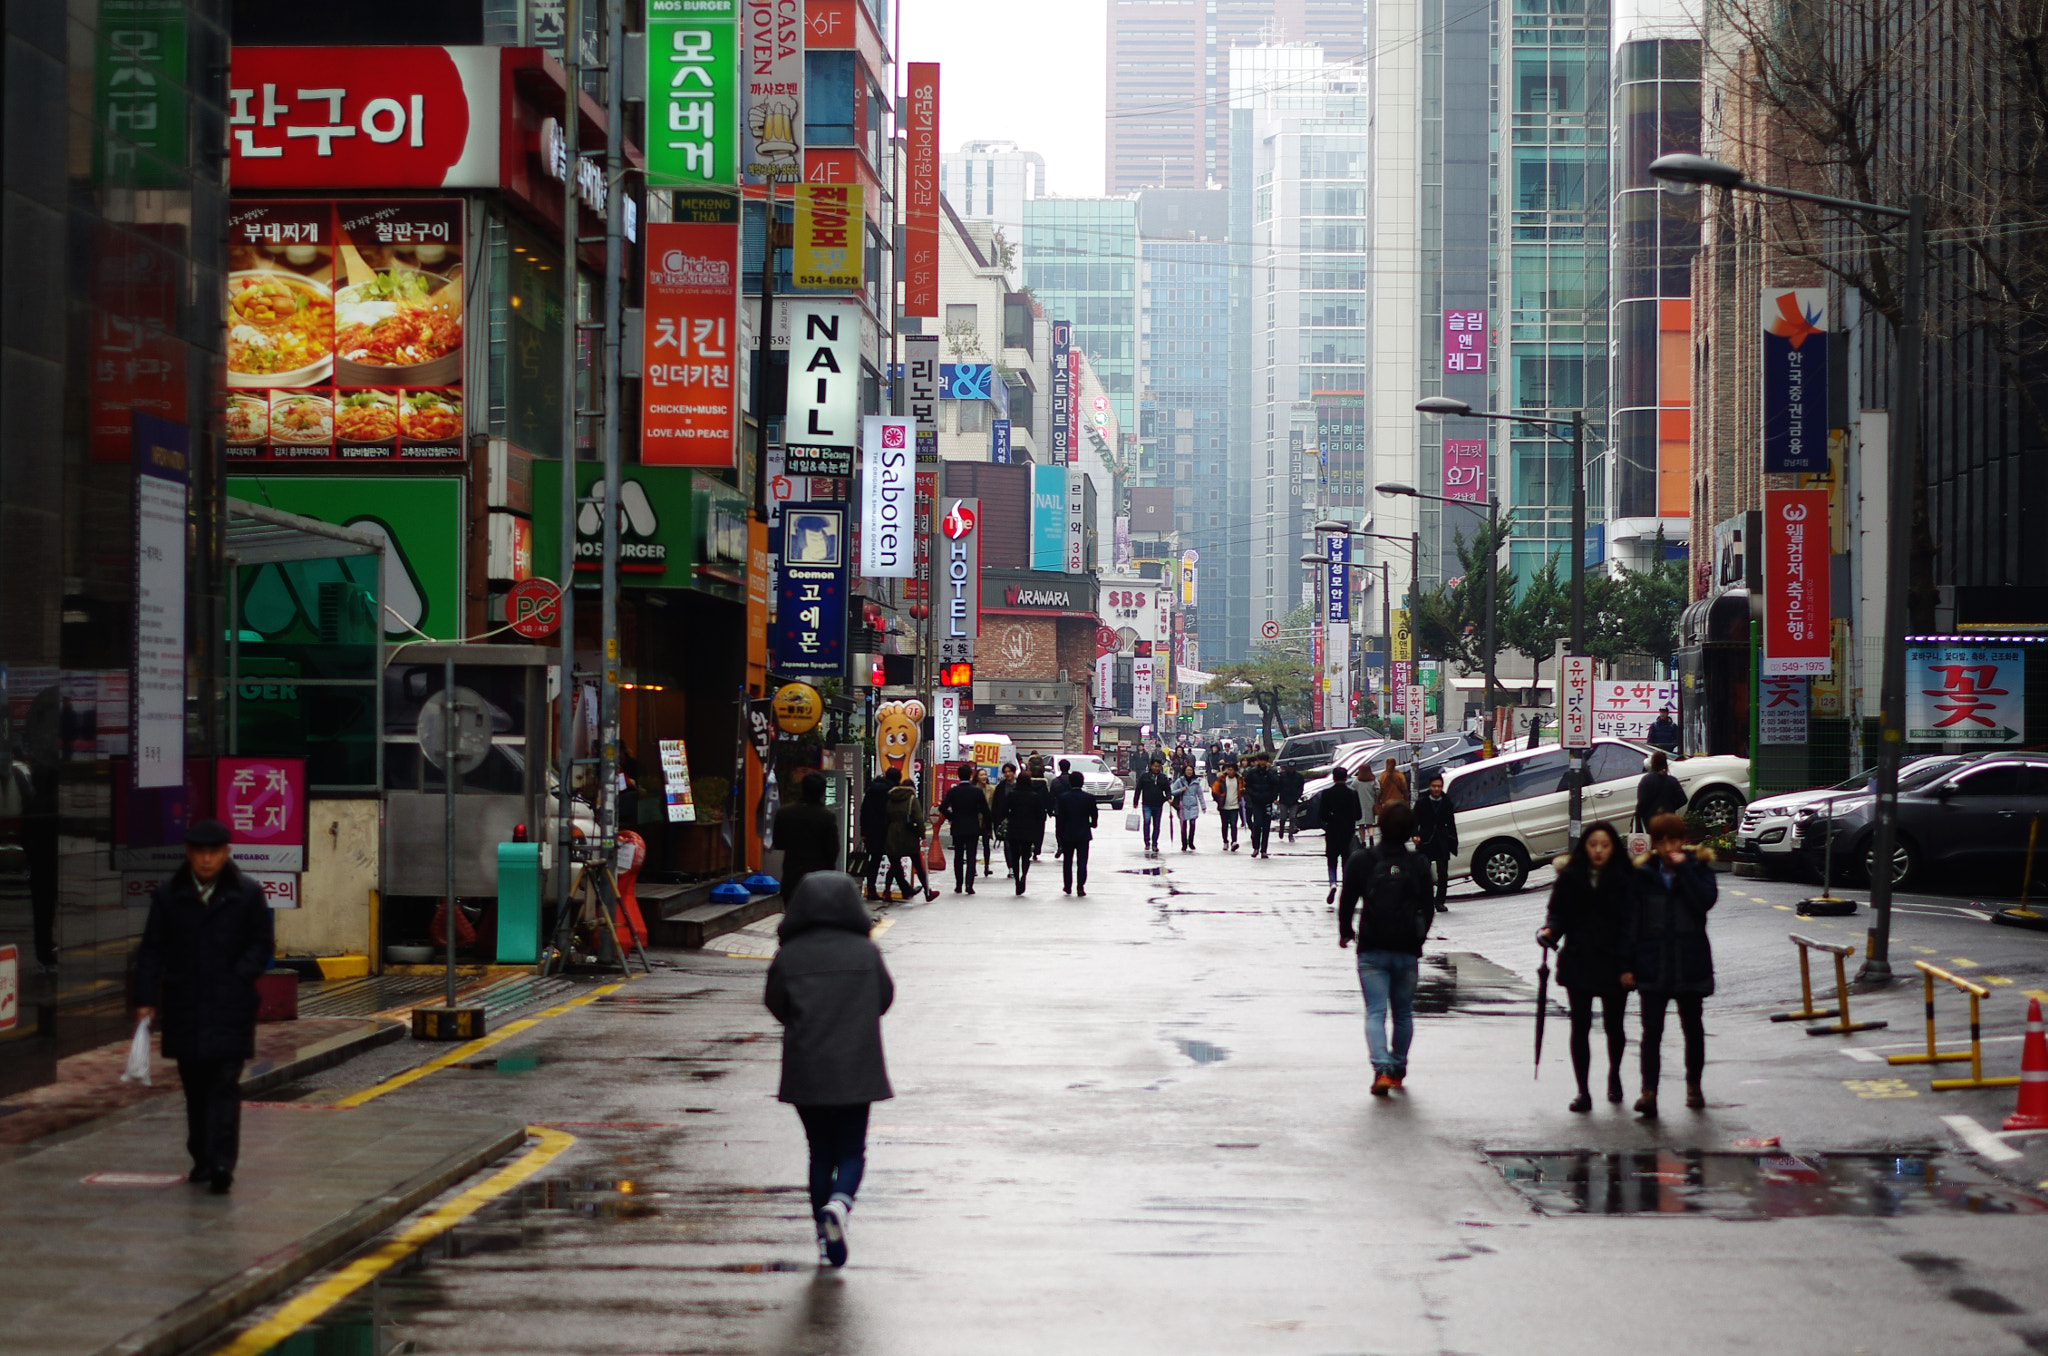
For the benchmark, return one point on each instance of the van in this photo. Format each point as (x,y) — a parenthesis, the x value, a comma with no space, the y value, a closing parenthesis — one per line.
(990,751)
(1315,749)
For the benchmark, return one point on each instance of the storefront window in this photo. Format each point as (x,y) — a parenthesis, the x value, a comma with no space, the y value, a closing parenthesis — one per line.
(526,340)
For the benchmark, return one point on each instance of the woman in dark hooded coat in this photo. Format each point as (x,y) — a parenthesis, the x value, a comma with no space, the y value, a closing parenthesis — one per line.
(829,989)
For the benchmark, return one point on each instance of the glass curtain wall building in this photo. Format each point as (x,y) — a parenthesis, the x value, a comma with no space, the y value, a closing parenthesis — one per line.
(1655,236)
(1184,372)
(1554,180)
(1081,262)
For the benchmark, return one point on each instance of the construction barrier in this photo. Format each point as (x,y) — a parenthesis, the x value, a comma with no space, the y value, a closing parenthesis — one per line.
(1843,1026)
(1975,1054)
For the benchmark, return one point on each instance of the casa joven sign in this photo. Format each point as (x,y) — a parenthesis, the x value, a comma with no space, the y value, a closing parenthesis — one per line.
(364,117)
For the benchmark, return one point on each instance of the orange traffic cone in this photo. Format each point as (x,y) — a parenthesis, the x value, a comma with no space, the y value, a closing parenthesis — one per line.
(2032,1113)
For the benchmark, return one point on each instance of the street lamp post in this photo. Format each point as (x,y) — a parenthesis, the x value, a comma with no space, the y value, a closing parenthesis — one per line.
(1460,409)
(1700,169)
(1338,527)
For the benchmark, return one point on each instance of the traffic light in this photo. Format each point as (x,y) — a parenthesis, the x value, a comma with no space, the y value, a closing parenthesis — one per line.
(956,675)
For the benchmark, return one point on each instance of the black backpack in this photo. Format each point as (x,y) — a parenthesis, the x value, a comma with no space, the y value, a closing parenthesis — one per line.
(1395,909)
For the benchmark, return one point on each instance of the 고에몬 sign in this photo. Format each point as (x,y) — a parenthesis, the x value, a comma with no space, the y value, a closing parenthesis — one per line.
(263,803)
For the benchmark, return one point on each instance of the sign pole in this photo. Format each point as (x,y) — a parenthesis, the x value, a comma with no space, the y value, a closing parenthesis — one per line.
(451,778)
(1577,753)
(572,31)
(614,262)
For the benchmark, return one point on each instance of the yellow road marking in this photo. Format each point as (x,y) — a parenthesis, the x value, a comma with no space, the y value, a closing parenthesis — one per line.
(1924,950)
(324,1295)
(1879,1089)
(463,1052)
(1995,981)
(749,955)
(1786,907)
(881,927)
(2040,995)
(1964,964)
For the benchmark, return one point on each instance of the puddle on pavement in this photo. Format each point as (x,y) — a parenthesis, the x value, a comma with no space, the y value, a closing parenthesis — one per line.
(1461,983)
(1753,1186)
(1202,1052)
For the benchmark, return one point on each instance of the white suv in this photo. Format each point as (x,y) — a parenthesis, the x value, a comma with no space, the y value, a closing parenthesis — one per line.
(1096,778)
(1515,809)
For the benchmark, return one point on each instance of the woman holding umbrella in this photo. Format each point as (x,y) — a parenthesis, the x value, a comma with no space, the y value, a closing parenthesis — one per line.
(1589,918)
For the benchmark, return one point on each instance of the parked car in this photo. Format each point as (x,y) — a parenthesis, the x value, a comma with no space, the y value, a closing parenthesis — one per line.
(1768,839)
(1439,752)
(1968,816)
(1317,748)
(1097,779)
(1515,809)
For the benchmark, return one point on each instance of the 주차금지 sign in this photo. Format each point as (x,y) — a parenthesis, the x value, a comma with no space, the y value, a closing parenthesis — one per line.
(1968,694)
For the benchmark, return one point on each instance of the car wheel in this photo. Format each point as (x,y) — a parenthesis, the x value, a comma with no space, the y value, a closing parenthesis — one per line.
(1119,802)
(1500,867)
(1719,807)
(1905,860)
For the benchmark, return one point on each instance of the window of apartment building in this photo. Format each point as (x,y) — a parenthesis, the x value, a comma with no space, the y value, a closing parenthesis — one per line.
(962,317)
(828,111)
(973,416)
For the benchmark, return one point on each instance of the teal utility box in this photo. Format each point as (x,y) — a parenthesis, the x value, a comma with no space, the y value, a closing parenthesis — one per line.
(518,903)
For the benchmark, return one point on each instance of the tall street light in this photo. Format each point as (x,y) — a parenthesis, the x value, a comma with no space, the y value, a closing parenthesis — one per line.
(1460,409)
(1699,169)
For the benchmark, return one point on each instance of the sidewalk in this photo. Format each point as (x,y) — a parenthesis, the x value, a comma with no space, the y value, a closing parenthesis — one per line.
(111,1253)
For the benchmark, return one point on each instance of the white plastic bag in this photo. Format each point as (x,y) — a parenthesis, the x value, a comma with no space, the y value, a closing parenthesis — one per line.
(138,1056)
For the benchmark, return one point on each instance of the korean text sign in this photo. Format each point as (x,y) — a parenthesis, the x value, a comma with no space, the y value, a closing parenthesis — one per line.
(1062,397)
(1464,341)
(1337,578)
(1781,711)
(263,803)
(1795,584)
(831,236)
(958,619)
(921,373)
(689,347)
(1795,379)
(1465,470)
(345,330)
(1575,702)
(693,96)
(363,117)
(1627,708)
(921,192)
(774,57)
(1969,694)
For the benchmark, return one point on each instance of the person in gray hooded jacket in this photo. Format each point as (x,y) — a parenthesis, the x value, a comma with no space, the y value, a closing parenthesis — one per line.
(829,989)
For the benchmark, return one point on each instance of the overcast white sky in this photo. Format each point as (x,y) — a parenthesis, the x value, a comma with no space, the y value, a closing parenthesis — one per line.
(1031,73)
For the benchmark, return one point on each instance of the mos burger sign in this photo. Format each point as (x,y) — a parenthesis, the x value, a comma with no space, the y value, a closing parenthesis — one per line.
(364,117)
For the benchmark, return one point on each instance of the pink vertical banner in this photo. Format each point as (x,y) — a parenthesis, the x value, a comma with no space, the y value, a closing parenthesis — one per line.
(1464,341)
(1465,470)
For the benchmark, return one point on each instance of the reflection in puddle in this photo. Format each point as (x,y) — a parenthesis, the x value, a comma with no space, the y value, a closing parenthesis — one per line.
(1201,1052)
(1751,1186)
(1461,982)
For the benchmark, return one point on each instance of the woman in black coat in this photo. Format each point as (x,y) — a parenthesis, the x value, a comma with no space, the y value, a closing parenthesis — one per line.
(1588,918)
(1668,956)
(829,989)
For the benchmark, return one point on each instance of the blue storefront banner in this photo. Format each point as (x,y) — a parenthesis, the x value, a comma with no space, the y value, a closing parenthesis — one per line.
(1795,379)
(1337,580)
(1049,518)
(966,381)
(999,441)
(810,602)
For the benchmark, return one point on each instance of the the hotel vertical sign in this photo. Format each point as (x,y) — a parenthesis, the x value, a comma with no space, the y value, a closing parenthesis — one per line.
(1795,379)
(959,580)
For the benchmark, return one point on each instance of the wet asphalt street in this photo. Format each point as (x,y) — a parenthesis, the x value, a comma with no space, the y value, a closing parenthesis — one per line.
(1139,1123)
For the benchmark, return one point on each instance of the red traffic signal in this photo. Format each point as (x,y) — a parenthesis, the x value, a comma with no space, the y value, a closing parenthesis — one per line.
(956,675)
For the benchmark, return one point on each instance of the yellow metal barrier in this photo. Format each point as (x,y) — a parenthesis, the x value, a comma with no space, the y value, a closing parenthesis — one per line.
(1843,1026)
(1975,1054)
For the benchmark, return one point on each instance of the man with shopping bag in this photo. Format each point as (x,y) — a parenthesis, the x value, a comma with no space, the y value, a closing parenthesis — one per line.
(208,937)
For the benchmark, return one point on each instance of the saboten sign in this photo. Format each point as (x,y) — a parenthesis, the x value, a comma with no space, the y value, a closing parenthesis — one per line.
(363,117)
(1795,584)
(887,535)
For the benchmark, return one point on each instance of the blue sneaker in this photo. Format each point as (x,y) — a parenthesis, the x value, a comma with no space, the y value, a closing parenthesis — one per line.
(832,1227)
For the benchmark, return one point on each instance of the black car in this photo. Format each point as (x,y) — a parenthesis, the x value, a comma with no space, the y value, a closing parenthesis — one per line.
(1316,749)
(1367,758)
(1963,822)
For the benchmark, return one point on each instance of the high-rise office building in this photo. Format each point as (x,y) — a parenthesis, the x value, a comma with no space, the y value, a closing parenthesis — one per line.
(1168,119)
(1184,368)
(991,181)
(1081,262)
(1304,137)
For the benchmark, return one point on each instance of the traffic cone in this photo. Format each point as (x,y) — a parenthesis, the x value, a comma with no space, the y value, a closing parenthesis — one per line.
(2032,1113)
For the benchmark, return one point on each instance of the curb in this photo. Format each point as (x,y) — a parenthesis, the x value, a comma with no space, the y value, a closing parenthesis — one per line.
(326,1055)
(221,1304)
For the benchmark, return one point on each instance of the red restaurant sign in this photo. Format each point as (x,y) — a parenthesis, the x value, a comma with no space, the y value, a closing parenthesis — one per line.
(921,224)
(1795,583)
(363,117)
(690,345)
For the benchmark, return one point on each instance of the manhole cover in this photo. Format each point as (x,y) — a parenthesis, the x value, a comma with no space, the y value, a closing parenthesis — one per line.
(1755,1186)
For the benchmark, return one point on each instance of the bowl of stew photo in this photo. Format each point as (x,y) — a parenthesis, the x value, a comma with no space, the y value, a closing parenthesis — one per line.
(401,328)
(248,419)
(280,329)
(430,417)
(366,417)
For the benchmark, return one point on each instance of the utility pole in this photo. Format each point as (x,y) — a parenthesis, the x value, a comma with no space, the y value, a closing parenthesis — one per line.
(614,264)
(572,72)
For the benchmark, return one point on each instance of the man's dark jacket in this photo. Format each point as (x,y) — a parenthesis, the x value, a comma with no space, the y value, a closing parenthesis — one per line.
(828,987)
(808,835)
(1261,786)
(1154,788)
(1074,817)
(874,810)
(199,961)
(1436,826)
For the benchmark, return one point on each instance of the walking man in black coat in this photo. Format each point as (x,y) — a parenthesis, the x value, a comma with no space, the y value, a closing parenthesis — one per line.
(967,810)
(1261,790)
(1339,808)
(209,935)
(1658,793)
(1436,823)
(829,989)
(808,835)
(874,823)
(1074,823)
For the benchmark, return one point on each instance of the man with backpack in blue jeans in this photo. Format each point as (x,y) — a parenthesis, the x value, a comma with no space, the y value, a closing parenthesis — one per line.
(1390,890)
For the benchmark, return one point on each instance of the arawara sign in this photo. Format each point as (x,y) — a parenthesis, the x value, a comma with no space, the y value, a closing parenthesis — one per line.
(1014,593)
(959,569)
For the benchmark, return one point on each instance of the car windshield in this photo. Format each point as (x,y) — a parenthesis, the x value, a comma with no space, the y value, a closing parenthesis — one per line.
(1084,762)
(1921,773)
